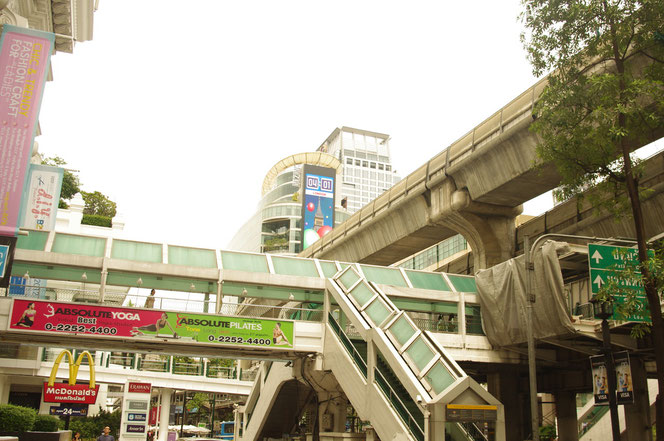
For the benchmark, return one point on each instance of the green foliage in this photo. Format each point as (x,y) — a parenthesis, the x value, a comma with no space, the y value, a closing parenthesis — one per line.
(92,427)
(547,433)
(95,219)
(99,204)
(604,99)
(46,423)
(70,182)
(16,418)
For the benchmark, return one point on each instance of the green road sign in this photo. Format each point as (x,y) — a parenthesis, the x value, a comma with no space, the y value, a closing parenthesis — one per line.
(610,264)
(615,258)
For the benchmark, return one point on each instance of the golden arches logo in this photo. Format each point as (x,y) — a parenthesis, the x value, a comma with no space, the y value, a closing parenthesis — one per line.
(73,367)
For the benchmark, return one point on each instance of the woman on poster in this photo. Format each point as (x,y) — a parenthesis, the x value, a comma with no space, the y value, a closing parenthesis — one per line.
(27,319)
(278,336)
(154,327)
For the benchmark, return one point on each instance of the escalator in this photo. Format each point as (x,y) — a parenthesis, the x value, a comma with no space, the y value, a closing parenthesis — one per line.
(394,375)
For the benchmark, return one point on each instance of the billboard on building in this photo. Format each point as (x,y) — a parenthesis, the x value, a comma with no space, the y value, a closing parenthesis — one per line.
(317,202)
(40,197)
(24,57)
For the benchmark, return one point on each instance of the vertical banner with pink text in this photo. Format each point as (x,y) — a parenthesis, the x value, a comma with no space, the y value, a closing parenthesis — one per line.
(24,58)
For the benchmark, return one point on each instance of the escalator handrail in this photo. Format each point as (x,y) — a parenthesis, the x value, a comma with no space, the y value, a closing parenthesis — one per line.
(377,372)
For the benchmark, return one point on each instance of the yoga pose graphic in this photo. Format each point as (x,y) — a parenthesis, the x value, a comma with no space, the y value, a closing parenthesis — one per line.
(154,327)
(27,319)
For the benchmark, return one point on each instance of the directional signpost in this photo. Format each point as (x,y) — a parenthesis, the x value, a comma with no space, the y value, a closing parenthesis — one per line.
(612,264)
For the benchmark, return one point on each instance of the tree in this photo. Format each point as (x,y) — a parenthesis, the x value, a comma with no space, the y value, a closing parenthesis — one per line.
(70,182)
(99,204)
(604,99)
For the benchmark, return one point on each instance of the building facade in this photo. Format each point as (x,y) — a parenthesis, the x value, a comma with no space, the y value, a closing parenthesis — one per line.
(364,171)
(367,165)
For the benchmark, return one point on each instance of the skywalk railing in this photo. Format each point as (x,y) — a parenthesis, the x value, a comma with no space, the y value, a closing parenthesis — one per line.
(174,365)
(174,301)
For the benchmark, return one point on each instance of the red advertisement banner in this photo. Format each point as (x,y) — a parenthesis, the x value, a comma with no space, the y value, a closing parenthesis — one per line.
(70,393)
(139,388)
(70,318)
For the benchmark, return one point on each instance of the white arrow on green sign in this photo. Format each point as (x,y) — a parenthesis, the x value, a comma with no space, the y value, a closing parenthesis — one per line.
(609,263)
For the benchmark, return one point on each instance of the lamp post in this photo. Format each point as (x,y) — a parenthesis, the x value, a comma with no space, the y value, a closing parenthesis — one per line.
(604,310)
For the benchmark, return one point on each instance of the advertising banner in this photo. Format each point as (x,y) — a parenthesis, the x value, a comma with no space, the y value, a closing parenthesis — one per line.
(21,287)
(625,391)
(70,393)
(317,203)
(7,248)
(600,380)
(40,197)
(73,318)
(24,57)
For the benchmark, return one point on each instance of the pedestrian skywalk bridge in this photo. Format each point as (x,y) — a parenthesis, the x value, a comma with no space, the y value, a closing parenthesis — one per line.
(396,376)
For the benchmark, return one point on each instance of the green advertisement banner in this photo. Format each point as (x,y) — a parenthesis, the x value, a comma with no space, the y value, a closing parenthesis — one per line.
(240,331)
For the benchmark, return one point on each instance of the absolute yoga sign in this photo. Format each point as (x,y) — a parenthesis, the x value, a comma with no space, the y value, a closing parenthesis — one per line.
(73,318)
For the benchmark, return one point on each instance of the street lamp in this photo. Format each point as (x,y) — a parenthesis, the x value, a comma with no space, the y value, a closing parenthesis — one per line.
(603,310)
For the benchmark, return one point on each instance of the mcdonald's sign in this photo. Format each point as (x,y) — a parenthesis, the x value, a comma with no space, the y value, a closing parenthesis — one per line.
(71,392)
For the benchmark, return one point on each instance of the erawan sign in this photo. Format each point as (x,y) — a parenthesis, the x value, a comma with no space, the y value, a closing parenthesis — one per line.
(70,393)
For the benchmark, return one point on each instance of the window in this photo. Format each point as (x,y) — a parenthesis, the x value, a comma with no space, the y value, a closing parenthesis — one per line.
(381,167)
(372,165)
(388,167)
(349,161)
(357,162)
(365,163)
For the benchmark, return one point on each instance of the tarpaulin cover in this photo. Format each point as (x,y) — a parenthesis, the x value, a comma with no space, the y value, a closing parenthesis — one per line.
(503,301)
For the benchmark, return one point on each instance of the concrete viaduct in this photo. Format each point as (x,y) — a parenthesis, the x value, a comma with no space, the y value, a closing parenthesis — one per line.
(475,187)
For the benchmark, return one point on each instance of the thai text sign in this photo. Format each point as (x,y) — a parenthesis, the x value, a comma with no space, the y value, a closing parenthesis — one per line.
(24,57)
(70,393)
(619,266)
(73,318)
(69,409)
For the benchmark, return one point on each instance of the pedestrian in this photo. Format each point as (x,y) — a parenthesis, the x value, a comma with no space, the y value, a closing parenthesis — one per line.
(106,435)
(77,436)
(149,302)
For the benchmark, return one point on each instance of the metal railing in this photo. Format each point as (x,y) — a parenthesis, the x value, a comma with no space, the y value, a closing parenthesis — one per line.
(360,362)
(225,372)
(173,301)
(399,406)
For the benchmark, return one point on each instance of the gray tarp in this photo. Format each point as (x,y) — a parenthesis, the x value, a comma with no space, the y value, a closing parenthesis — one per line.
(502,295)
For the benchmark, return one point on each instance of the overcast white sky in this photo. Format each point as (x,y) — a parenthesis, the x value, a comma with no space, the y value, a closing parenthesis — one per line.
(176,110)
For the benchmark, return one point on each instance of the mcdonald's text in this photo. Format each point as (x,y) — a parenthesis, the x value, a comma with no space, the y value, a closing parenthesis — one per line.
(70,393)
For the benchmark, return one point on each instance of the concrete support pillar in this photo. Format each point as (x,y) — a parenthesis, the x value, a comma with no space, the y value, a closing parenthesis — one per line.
(566,414)
(505,386)
(166,395)
(637,415)
(339,412)
(5,384)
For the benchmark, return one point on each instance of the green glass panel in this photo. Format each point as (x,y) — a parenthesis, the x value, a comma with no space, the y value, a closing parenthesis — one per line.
(463,284)
(294,267)
(349,278)
(35,240)
(402,330)
(191,257)
(56,273)
(377,311)
(386,276)
(420,353)
(329,268)
(139,251)
(427,280)
(362,294)
(439,377)
(255,263)
(85,246)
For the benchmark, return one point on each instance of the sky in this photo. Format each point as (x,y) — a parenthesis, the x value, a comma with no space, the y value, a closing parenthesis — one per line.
(177,110)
